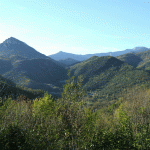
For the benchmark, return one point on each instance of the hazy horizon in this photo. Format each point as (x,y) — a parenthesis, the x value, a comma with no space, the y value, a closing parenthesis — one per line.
(74,53)
(78,27)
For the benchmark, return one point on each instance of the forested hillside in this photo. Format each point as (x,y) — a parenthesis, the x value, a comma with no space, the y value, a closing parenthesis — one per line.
(68,123)
(10,89)
(68,61)
(102,103)
(28,68)
(107,77)
(130,58)
(139,60)
(74,75)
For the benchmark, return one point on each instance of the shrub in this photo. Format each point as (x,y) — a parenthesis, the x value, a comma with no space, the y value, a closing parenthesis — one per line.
(14,138)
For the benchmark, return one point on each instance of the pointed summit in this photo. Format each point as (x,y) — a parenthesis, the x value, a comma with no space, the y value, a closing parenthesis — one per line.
(13,46)
(13,40)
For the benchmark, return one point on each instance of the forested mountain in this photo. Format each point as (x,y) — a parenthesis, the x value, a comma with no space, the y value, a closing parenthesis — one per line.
(13,46)
(131,58)
(145,56)
(69,61)
(17,49)
(28,68)
(145,65)
(105,75)
(35,73)
(64,55)
(108,76)
(108,111)
(139,60)
(9,88)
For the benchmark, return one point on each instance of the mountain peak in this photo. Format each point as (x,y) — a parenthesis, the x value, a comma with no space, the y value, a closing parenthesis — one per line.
(61,52)
(139,47)
(12,40)
(13,46)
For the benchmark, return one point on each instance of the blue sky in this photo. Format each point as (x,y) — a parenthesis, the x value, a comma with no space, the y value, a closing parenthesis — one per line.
(76,26)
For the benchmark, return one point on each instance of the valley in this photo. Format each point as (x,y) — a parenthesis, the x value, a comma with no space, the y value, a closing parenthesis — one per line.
(99,97)
(107,76)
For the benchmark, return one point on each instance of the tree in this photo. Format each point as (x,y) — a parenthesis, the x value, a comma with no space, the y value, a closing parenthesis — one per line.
(72,109)
(72,90)
(4,85)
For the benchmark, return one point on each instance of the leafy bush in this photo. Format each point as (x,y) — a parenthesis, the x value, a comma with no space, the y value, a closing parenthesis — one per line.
(43,107)
(14,138)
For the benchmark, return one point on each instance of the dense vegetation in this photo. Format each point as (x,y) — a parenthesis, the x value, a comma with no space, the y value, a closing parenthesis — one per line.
(131,58)
(28,68)
(10,89)
(107,77)
(138,60)
(68,123)
(69,61)
(104,104)
(145,65)
(34,73)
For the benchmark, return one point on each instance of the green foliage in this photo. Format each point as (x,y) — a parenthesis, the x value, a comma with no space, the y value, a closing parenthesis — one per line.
(9,89)
(114,106)
(108,77)
(44,106)
(14,138)
(76,118)
(130,58)
(144,65)
(6,103)
(90,66)
(142,139)
(120,138)
(88,130)
(72,90)
(144,55)
(4,107)
(68,61)
(22,72)
(68,123)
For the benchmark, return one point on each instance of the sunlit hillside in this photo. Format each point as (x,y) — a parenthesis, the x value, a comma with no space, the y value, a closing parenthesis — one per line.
(68,123)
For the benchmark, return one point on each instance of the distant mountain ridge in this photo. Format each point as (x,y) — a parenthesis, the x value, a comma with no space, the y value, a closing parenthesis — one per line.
(64,55)
(103,74)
